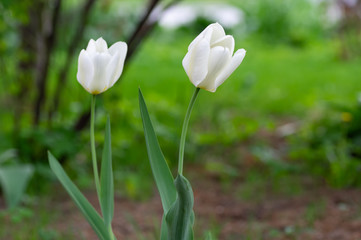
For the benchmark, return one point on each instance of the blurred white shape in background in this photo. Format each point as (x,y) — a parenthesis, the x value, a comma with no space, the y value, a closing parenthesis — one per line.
(334,13)
(226,15)
(336,10)
(182,14)
(178,15)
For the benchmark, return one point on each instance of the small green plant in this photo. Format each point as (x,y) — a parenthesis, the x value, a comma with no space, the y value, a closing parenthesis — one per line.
(14,179)
(315,211)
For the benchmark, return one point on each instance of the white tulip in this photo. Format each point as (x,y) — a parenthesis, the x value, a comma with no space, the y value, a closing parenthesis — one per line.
(209,61)
(99,67)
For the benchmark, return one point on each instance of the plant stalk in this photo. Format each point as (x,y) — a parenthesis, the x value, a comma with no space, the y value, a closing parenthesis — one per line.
(92,143)
(184,131)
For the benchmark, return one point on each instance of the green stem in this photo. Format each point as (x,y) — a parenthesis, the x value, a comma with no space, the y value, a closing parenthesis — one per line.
(184,131)
(92,143)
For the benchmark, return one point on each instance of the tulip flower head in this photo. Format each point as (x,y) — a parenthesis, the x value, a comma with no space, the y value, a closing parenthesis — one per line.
(209,61)
(99,67)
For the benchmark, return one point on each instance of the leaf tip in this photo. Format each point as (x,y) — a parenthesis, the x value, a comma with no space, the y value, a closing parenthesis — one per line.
(50,156)
(140,92)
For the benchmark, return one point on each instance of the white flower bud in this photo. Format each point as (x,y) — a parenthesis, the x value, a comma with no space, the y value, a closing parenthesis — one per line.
(99,67)
(209,61)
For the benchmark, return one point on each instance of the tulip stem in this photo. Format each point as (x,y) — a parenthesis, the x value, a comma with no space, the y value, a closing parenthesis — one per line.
(92,144)
(184,131)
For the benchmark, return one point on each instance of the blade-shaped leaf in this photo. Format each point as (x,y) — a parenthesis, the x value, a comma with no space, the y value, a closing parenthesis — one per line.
(13,181)
(209,236)
(180,217)
(85,207)
(106,180)
(162,175)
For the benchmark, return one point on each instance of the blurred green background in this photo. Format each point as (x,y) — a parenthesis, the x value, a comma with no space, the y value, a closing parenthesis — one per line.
(292,108)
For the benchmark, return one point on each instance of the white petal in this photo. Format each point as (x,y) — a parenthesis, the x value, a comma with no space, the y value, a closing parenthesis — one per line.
(219,57)
(226,41)
(121,48)
(195,62)
(85,72)
(101,78)
(229,69)
(217,32)
(212,32)
(112,69)
(101,45)
(186,62)
(91,46)
(204,34)
(118,47)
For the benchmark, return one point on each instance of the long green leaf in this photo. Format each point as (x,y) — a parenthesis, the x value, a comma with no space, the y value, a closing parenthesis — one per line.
(180,217)
(106,180)
(162,175)
(85,207)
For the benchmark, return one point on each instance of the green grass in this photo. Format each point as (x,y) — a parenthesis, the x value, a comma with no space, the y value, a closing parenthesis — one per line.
(31,224)
(274,82)
(273,79)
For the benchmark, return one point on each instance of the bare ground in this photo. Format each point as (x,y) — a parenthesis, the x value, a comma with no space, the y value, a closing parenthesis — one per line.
(313,211)
(317,213)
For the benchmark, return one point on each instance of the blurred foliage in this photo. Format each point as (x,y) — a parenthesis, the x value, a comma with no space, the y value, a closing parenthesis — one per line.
(330,145)
(294,22)
(292,67)
(23,218)
(297,62)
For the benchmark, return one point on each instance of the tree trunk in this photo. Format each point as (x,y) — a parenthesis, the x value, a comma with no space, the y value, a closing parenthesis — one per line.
(45,44)
(61,81)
